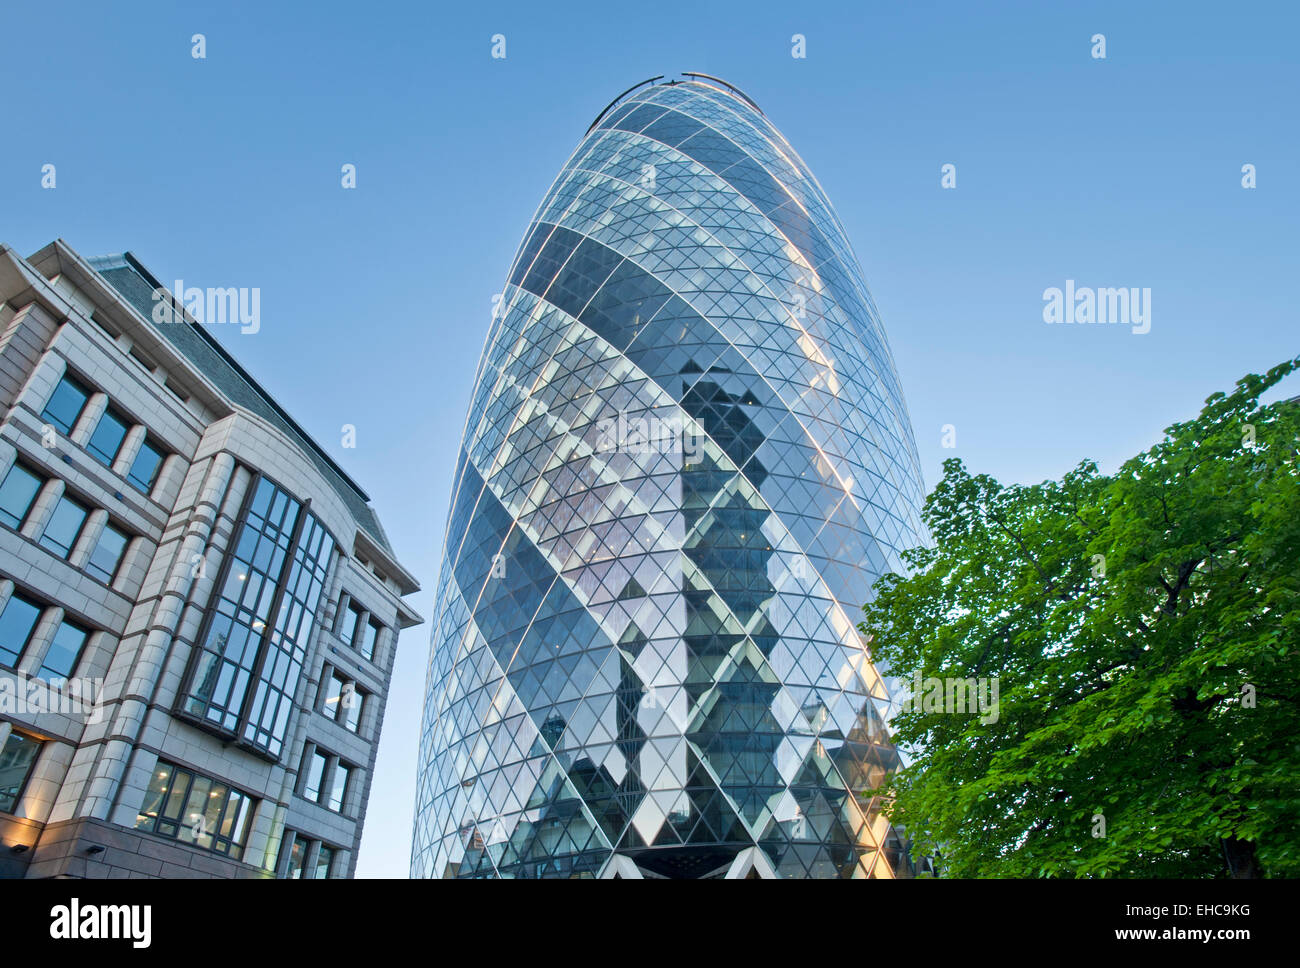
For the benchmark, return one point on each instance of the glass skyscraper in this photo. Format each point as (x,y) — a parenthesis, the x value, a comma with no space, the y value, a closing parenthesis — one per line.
(686,460)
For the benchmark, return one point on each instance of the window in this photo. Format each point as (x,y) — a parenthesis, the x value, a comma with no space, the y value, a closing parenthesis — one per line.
(17,493)
(348,627)
(343,701)
(64,526)
(293,854)
(324,861)
(144,469)
(315,776)
(17,760)
(339,788)
(195,809)
(369,637)
(66,403)
(107,554)
(291,863)
(106,442)
(243,678)
(64,652)
(17,622)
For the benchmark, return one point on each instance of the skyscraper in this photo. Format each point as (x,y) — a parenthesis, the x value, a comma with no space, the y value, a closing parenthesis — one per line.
(686,460)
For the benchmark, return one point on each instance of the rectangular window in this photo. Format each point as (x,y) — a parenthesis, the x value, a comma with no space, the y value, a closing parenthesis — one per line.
(17,493)
(339,788)
(17,622)
(66,403)
(17,760)
(293,854)
(106,442)
(196,810)
(334,695)
(343,701)
(144,469)
(64,526)
(369,637)
(353,702)
(107,554)
(64,653)
(315,776)
(324,861)
(348,626)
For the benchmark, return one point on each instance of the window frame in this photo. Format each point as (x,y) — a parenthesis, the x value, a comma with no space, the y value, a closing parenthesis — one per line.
(240,825)
(126,423)
(77,656)
(375,629)
(41,481)
(93,569)
(21,788)
(146,444)
(51,545)
(27,640)
(77,384)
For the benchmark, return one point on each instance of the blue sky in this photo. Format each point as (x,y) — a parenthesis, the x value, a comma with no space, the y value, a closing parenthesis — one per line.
(375,302)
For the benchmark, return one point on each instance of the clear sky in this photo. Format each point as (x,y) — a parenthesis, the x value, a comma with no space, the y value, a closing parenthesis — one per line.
(1123,171)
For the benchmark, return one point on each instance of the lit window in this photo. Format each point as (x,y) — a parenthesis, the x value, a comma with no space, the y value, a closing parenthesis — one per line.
(195,809)
(343,701)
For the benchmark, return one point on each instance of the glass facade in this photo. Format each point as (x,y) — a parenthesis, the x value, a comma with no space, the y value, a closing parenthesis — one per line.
(687,458)
(242,681)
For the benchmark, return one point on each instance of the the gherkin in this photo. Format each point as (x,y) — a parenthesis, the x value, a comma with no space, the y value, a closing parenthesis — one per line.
(686,460)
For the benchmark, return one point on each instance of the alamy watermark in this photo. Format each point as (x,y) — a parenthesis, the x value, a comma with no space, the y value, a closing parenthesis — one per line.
(1083,304)
(953,696)
(24,695)
(213,305)
(650,435)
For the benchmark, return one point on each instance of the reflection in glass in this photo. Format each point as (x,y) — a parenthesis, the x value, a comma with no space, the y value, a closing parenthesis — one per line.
(687,459)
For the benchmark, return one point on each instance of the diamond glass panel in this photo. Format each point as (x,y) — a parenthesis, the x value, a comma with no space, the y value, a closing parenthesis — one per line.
(686,460)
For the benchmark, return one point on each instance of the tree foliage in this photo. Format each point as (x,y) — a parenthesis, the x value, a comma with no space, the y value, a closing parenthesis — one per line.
(1143,630)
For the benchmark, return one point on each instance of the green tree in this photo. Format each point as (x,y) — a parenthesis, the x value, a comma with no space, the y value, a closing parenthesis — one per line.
(1143,631)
